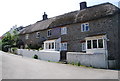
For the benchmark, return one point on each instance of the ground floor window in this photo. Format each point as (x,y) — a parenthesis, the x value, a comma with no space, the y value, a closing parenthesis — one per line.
(64,46)
(96,43)
(50,45)
(88,44)
(100,43)
(84,46)
(53,45)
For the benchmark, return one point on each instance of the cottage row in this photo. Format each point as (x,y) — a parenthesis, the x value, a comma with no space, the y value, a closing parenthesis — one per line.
(91,30)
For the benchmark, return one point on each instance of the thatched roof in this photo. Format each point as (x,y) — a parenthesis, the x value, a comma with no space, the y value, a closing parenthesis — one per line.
(90,13)
(40,25)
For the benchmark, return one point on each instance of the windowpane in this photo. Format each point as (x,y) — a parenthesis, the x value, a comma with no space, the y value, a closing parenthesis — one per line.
(100,43)
(53,45)
(94,43)
(87,28)
(49,33)
(89,44)
(37,35)
(83,46)
(84,27)
(27,36)
(63,30)
(49,45)
(64,46)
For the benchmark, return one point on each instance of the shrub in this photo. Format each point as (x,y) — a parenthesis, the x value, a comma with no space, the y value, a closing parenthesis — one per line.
(13,50)
(40,48)
(78,64)
(35,57)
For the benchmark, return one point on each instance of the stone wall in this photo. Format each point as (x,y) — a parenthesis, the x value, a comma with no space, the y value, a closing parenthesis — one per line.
(92,60)
(42,55)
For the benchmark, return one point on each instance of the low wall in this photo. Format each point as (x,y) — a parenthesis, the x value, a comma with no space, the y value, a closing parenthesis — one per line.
(42,55)
(93,60)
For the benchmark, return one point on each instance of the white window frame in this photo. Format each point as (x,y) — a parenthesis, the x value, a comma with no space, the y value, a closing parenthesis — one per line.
(63,30)
(50,45)
(84,27)
(97,44)
(64,46)
(37,36)
(49,33)
(27,36)
(84,46)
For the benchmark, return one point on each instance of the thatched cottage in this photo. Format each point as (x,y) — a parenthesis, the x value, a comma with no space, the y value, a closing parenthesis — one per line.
(89,30)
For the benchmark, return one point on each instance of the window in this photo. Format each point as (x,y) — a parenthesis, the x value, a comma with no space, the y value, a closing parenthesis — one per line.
(52,45)
(64,46)
(63,30)
(49,45)
(38,35)
(27,36)
(94,43)
(89,44)
(100,43)
(84,27)
(84,46)
(49,33)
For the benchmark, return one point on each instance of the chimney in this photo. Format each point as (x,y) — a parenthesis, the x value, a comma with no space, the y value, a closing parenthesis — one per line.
(45,16)
(83,5)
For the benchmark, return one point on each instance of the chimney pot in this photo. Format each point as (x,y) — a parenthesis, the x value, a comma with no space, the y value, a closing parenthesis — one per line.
(45,16)
(83,5)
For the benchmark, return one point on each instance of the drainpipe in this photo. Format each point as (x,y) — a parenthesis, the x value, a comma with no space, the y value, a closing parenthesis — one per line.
(106,51)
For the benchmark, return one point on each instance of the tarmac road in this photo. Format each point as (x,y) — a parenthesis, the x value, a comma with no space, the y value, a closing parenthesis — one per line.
(17,67)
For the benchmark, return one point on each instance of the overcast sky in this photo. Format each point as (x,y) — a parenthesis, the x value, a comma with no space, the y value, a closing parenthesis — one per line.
(25,12)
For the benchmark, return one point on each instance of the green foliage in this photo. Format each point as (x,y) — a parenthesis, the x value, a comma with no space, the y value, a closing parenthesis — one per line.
(40,48)
(35,57)
(13,50)
(78,64)
(49,61)
(35,46)
(9,40)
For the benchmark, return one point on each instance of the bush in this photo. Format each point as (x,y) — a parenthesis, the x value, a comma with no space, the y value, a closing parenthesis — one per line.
(78,64)
(36,47)
(13,50)
(40,48)
(35,57)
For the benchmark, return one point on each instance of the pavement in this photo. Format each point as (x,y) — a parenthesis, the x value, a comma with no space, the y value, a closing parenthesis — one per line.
(18,67)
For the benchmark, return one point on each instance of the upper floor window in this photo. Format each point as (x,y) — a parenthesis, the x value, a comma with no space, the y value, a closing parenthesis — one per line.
(63,30)
(84,27)
(27,36)
(49,33)
(38,35)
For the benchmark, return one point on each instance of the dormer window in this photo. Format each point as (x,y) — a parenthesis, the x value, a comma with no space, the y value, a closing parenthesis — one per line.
(38,35)
(84,27)
(49,32)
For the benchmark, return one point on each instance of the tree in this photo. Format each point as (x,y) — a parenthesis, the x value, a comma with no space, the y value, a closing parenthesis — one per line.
(9,40)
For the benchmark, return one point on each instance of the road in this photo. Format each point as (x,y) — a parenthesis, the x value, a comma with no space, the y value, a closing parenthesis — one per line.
(17,67)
